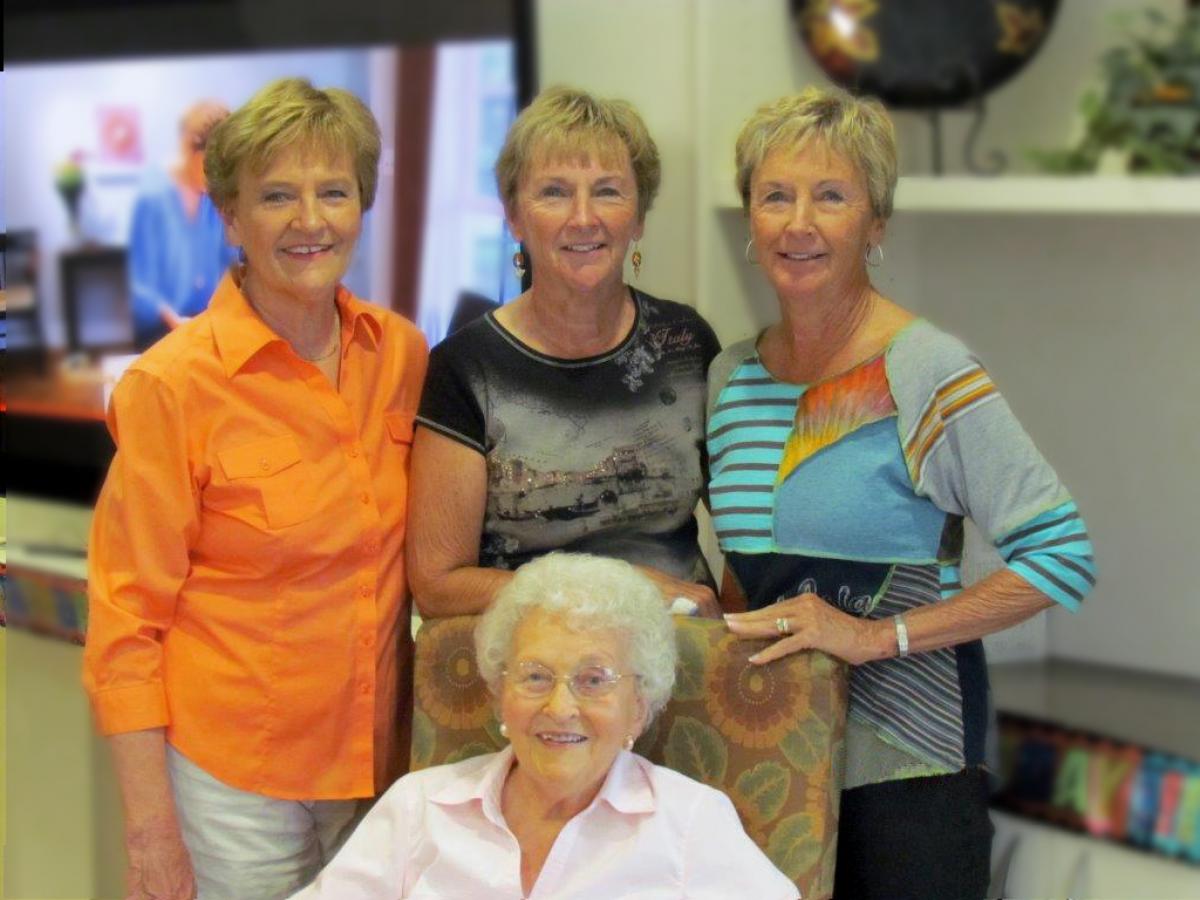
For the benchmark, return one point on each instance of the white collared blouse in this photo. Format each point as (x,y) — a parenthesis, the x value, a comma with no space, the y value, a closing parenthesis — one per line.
(650,834)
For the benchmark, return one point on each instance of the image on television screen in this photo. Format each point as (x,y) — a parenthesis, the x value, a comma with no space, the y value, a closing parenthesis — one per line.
(97,176)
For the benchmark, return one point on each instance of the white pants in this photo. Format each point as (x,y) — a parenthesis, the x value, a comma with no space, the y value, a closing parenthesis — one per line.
(245,845)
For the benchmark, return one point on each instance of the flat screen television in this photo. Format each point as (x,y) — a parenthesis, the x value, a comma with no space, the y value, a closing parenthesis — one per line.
(94,93)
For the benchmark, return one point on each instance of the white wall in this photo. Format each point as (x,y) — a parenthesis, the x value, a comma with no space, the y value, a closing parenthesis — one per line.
(641,51)
(1084,322)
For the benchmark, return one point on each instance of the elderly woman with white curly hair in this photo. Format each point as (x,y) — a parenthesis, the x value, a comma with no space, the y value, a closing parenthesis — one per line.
(580,655)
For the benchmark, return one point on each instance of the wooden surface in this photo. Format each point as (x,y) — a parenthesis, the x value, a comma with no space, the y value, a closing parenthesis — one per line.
(64,393)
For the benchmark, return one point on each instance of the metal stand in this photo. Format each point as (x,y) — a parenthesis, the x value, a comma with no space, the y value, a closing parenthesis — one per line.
(996,162)
(935,141)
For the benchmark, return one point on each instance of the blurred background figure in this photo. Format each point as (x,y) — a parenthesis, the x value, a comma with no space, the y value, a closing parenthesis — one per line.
(177,246)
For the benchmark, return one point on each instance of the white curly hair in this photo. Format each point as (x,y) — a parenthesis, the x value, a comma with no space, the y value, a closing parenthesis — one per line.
(586,592)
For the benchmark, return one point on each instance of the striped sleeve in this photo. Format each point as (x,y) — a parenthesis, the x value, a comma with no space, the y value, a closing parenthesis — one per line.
(967,452)
(1053,553)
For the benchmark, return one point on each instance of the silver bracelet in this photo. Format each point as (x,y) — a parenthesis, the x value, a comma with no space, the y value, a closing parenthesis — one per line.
(901,635)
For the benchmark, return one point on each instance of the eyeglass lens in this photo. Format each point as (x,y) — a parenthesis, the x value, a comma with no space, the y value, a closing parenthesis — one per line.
(586,682)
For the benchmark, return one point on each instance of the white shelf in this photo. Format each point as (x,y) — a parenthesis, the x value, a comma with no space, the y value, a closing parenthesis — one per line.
(1035,195)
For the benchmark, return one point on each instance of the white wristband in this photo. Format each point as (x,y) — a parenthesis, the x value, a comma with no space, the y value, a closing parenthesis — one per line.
(901,636)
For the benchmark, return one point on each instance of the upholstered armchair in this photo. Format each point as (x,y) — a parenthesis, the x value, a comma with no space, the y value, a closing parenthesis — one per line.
(770,737)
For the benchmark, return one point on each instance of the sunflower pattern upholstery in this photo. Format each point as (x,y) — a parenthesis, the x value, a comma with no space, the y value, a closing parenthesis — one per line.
(769,737)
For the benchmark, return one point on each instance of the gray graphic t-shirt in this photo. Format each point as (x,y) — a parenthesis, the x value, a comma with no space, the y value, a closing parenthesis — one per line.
(601,455)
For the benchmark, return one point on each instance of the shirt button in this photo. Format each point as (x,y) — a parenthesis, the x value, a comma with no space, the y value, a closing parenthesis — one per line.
(353,452)
(364,688)
(264,465)
(365,640)
(371,547)
(364,591)
(364,497)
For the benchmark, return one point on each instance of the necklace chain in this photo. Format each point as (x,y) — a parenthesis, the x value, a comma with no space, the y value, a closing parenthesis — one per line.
(337,339)
(262,314)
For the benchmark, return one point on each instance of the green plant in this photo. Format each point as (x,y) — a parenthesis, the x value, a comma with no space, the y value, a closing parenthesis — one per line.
(1149,105)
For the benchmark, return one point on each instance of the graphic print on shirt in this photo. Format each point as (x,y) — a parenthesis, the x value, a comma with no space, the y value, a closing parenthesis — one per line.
(620,458)
(593,455)
(854,489)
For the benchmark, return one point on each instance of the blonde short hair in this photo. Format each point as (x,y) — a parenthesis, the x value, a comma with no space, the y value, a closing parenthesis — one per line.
(565,122)
(286,113)
(857,128)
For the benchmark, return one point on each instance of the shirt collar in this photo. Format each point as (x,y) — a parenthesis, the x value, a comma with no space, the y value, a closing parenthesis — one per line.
(240,333)
(475,785)
(627,787)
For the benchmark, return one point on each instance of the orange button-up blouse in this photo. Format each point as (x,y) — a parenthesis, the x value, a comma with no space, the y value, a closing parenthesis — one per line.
(246,570)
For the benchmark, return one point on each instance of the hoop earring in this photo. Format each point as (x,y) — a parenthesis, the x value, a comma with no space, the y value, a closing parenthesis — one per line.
(503,730)
(867,256)
(753,260)
(636,261)
(519,264)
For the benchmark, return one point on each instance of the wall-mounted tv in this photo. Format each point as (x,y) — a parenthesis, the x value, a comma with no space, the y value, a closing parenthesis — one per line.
(95,98)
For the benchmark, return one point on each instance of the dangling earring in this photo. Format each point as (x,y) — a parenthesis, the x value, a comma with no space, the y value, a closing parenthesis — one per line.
(753,260)
(636,261)
(628,742)
(870,247)
(503,730)
(519,263)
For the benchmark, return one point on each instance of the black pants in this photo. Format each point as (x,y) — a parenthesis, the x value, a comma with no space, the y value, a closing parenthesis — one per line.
(915,837)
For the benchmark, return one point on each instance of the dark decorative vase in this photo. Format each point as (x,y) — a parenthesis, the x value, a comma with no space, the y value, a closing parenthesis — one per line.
(924,54)
(921,54)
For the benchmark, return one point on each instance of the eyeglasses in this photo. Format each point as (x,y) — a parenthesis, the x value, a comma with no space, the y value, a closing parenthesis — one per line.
(534,680)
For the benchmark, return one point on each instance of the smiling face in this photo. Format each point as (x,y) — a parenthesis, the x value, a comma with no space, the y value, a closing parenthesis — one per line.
(564,746)
(811,220)
(297,222)
(577,217)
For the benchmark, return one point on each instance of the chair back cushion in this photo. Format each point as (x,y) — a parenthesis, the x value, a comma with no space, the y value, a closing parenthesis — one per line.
(769,736)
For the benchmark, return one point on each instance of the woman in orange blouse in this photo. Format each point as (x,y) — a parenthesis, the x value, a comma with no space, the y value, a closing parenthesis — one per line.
(249,647)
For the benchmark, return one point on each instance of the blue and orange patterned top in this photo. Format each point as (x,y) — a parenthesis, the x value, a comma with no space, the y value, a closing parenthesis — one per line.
(855,488)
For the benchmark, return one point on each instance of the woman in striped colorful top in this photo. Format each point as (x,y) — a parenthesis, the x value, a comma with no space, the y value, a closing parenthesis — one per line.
(847,443)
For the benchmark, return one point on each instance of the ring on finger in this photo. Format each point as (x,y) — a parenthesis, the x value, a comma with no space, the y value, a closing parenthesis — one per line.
(783,626)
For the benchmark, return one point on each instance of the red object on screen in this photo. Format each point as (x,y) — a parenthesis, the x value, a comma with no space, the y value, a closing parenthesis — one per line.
(120,134)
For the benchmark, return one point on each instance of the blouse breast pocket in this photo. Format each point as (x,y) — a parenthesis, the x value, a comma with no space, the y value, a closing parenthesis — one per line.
(391,469)
(266,483)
